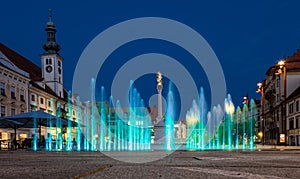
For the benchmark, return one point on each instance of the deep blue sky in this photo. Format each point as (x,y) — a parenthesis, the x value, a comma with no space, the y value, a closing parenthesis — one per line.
(247,37)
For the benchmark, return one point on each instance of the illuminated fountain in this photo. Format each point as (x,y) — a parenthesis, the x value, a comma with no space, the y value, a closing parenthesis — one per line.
(169,120)
(108,127)
(216,130)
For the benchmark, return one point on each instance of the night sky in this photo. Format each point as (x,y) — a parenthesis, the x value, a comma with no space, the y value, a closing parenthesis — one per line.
(246,37)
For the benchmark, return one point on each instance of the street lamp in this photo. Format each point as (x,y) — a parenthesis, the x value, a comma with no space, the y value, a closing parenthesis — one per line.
(261,90)
(245,100)
(282,68)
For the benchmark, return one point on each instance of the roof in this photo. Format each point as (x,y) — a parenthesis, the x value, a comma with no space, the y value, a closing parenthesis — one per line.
(294,93)
(292,63)
(34,71)
(295,57)
(21,62)
(48,90)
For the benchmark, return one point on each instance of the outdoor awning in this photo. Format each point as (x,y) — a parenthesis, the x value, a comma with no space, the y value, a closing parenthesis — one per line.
(27,120)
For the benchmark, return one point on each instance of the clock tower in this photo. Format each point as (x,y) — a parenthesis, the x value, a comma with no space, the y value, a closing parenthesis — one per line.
(52,67)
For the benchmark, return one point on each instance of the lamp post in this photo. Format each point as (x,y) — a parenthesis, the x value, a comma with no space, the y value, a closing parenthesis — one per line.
(282,67)
(261,90)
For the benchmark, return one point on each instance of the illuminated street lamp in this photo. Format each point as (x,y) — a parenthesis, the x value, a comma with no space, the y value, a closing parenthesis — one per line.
(261,90)
(282,69)
(245,100)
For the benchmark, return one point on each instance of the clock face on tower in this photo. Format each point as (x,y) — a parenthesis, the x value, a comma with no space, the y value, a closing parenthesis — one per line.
(49,69)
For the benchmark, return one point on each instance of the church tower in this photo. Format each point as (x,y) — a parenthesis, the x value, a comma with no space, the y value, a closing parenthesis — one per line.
(52,67)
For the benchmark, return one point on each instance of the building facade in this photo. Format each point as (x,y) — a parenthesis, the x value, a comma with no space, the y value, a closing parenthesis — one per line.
(293,118)
(27,87)
(281,80)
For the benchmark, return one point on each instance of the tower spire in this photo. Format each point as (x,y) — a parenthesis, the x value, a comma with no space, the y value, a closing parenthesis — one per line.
(50,15)
(50,46)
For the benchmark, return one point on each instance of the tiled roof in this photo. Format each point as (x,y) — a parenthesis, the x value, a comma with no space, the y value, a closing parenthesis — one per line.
(295,57)
(292,63)
(47,88)
(26,65)
(22,63)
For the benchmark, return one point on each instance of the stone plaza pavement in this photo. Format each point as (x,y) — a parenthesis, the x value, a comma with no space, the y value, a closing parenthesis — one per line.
(265,163)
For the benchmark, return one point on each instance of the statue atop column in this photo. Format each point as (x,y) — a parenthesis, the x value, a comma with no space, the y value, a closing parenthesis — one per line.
(159,90)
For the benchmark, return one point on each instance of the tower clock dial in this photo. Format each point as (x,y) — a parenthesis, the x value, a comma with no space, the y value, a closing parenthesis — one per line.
(49,69)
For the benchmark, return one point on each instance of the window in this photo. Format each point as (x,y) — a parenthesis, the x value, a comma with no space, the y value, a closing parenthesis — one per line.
(42,100)
(22,95)
(2,88)
(278,82)
(49,103)
(33,108)
(297,121)
(297,106)
(291,122)
(3,111)
(13,111)
(13,92)
(59,64)
(291,108)
(48,61)
(32,97)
